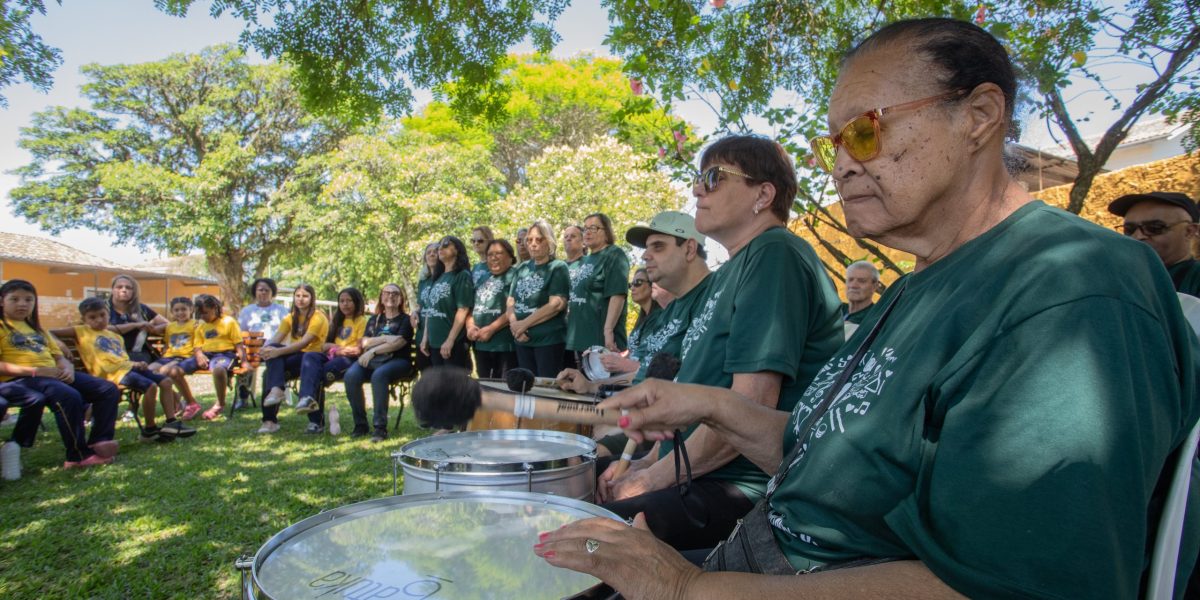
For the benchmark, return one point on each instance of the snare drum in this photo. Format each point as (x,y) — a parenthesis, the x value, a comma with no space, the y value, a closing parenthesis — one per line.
(520,460)
(436,546)
(485,419)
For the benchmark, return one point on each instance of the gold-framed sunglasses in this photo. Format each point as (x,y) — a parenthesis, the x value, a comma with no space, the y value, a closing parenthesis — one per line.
(860,136)
(712,176)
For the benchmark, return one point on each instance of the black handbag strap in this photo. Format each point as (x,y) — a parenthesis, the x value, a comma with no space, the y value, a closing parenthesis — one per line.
(835,390)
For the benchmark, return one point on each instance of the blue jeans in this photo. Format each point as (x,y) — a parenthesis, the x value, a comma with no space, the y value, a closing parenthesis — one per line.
(313,370)
(380,377)
(67,402)
(279,370)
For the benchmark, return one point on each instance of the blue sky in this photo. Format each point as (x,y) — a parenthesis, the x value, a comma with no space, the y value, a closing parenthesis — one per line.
(129,31)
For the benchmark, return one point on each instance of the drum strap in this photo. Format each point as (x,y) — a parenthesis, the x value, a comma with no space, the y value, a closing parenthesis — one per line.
(685,487)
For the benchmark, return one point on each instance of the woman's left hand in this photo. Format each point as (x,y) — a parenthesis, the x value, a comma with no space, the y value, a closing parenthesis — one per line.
(447,348)
(630,559)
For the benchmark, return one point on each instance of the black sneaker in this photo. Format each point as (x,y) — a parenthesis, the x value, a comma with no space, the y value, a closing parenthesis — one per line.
(314,428)
(177,428)
(379,435)
(360,432)
(156,434)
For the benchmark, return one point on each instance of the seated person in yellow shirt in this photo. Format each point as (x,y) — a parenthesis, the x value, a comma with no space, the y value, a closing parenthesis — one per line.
(343,345)
(103,352)
(218,343)
(303,330)
(180,337)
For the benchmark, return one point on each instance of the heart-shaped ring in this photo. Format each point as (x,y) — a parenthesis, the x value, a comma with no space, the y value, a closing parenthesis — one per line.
(591,545)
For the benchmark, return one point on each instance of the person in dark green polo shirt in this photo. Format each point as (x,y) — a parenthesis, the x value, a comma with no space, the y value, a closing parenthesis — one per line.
(449,302)
(537,302)
(487,325)
(1170,223)
(596,308)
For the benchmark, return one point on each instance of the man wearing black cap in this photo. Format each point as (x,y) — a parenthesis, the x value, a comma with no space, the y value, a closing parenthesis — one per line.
(1168,222)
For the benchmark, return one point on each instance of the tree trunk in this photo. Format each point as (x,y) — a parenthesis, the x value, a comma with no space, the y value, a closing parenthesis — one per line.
(230,271)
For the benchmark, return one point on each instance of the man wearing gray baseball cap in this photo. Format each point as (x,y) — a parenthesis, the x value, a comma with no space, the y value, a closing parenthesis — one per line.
(1168,222)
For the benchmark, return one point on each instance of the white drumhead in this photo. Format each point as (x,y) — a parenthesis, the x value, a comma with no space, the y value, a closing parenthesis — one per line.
(593,369)
(453,545)
(479,450)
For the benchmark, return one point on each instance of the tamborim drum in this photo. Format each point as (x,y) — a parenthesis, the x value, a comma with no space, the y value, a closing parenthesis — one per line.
(521,460)
(591,366)
(432,546)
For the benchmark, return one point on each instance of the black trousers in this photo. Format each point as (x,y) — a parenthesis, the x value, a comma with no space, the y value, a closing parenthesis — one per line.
(544,361)
(459,357)
(714,505)
(494,364)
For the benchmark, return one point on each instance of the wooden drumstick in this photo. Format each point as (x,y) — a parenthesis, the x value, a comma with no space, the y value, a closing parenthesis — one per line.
(626,456)
(447,397)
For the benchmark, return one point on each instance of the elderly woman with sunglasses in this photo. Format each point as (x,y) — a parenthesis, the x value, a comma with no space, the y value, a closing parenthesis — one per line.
(997,428)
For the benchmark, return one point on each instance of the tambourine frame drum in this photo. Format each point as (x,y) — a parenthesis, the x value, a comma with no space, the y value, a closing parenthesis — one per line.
(437,546)
(520,460)
(591,366)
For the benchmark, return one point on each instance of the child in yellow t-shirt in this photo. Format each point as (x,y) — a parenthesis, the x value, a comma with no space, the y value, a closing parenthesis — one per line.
(303,330)
(103,352)
(343,345)
(180,340)
(218,345)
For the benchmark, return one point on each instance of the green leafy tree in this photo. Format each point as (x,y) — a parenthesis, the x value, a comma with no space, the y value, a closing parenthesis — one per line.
(362,59)
(195,152)
(23,54)
(550,102)
(566,184)
(389,192)
(745,53)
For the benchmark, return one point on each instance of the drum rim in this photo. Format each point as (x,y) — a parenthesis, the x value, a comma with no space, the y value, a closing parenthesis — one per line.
(586,445)
(378,504)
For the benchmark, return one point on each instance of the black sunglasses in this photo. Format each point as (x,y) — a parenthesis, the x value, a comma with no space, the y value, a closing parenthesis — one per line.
(637,283)
(1150,228)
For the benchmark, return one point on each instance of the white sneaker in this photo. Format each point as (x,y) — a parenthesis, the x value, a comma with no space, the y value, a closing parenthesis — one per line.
(274,397)
(335,428)
(10,461)
(268,427)
(307,405)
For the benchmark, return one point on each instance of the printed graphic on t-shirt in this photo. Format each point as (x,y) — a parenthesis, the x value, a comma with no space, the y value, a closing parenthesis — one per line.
(700,323)
(33,343)
(179,340)
(657,340)
(526,289)
(210,334)
(437,292)
(583,273)
(485,296)
(110,346)
(346,331)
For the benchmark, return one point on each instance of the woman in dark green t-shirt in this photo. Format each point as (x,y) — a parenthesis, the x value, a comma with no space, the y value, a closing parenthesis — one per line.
(424,283)
(448,304)
(596,306)
(487,325)
(536,304)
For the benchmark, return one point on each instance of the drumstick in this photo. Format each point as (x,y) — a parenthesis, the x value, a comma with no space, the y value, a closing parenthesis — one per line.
(626,456)
(447,397)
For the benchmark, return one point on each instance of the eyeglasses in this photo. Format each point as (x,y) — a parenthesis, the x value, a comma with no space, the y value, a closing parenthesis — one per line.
(497,254)
(477,240)
(447,243)
(391,292)
(712,175)
(593,228)
(860,136)
(1150,228)
(637,283)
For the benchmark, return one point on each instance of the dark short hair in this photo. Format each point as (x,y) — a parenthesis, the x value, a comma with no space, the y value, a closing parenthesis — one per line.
(487,232)
(184,300)
(763,160)
(606,223)
(700,251)
(964,55)
(209,301)
(504,245)
(270,283)
(91,305)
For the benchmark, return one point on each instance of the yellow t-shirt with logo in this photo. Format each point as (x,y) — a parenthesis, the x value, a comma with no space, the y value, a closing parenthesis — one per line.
(351,332)
(103,353)
(180,339)
(23,346)
(221,335)
(318,326)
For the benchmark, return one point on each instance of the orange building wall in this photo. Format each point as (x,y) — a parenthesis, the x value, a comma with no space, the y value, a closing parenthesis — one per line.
(59,293)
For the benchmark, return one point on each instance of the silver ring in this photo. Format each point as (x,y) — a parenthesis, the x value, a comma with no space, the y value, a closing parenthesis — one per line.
(591,545)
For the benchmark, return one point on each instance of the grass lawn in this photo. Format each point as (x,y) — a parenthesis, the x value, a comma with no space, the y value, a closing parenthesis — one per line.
(168,520)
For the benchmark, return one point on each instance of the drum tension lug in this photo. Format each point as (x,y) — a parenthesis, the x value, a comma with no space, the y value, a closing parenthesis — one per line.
(244,562)
(528,476)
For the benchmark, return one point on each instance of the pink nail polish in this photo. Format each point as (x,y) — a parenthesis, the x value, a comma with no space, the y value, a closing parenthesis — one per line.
(550,554)
(542,536)
(538,546)
(623,421)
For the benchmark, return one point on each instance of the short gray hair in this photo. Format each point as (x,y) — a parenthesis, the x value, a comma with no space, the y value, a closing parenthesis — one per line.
(862,264)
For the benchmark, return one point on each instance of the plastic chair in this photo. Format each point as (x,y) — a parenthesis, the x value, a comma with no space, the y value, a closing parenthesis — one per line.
(1164,561)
